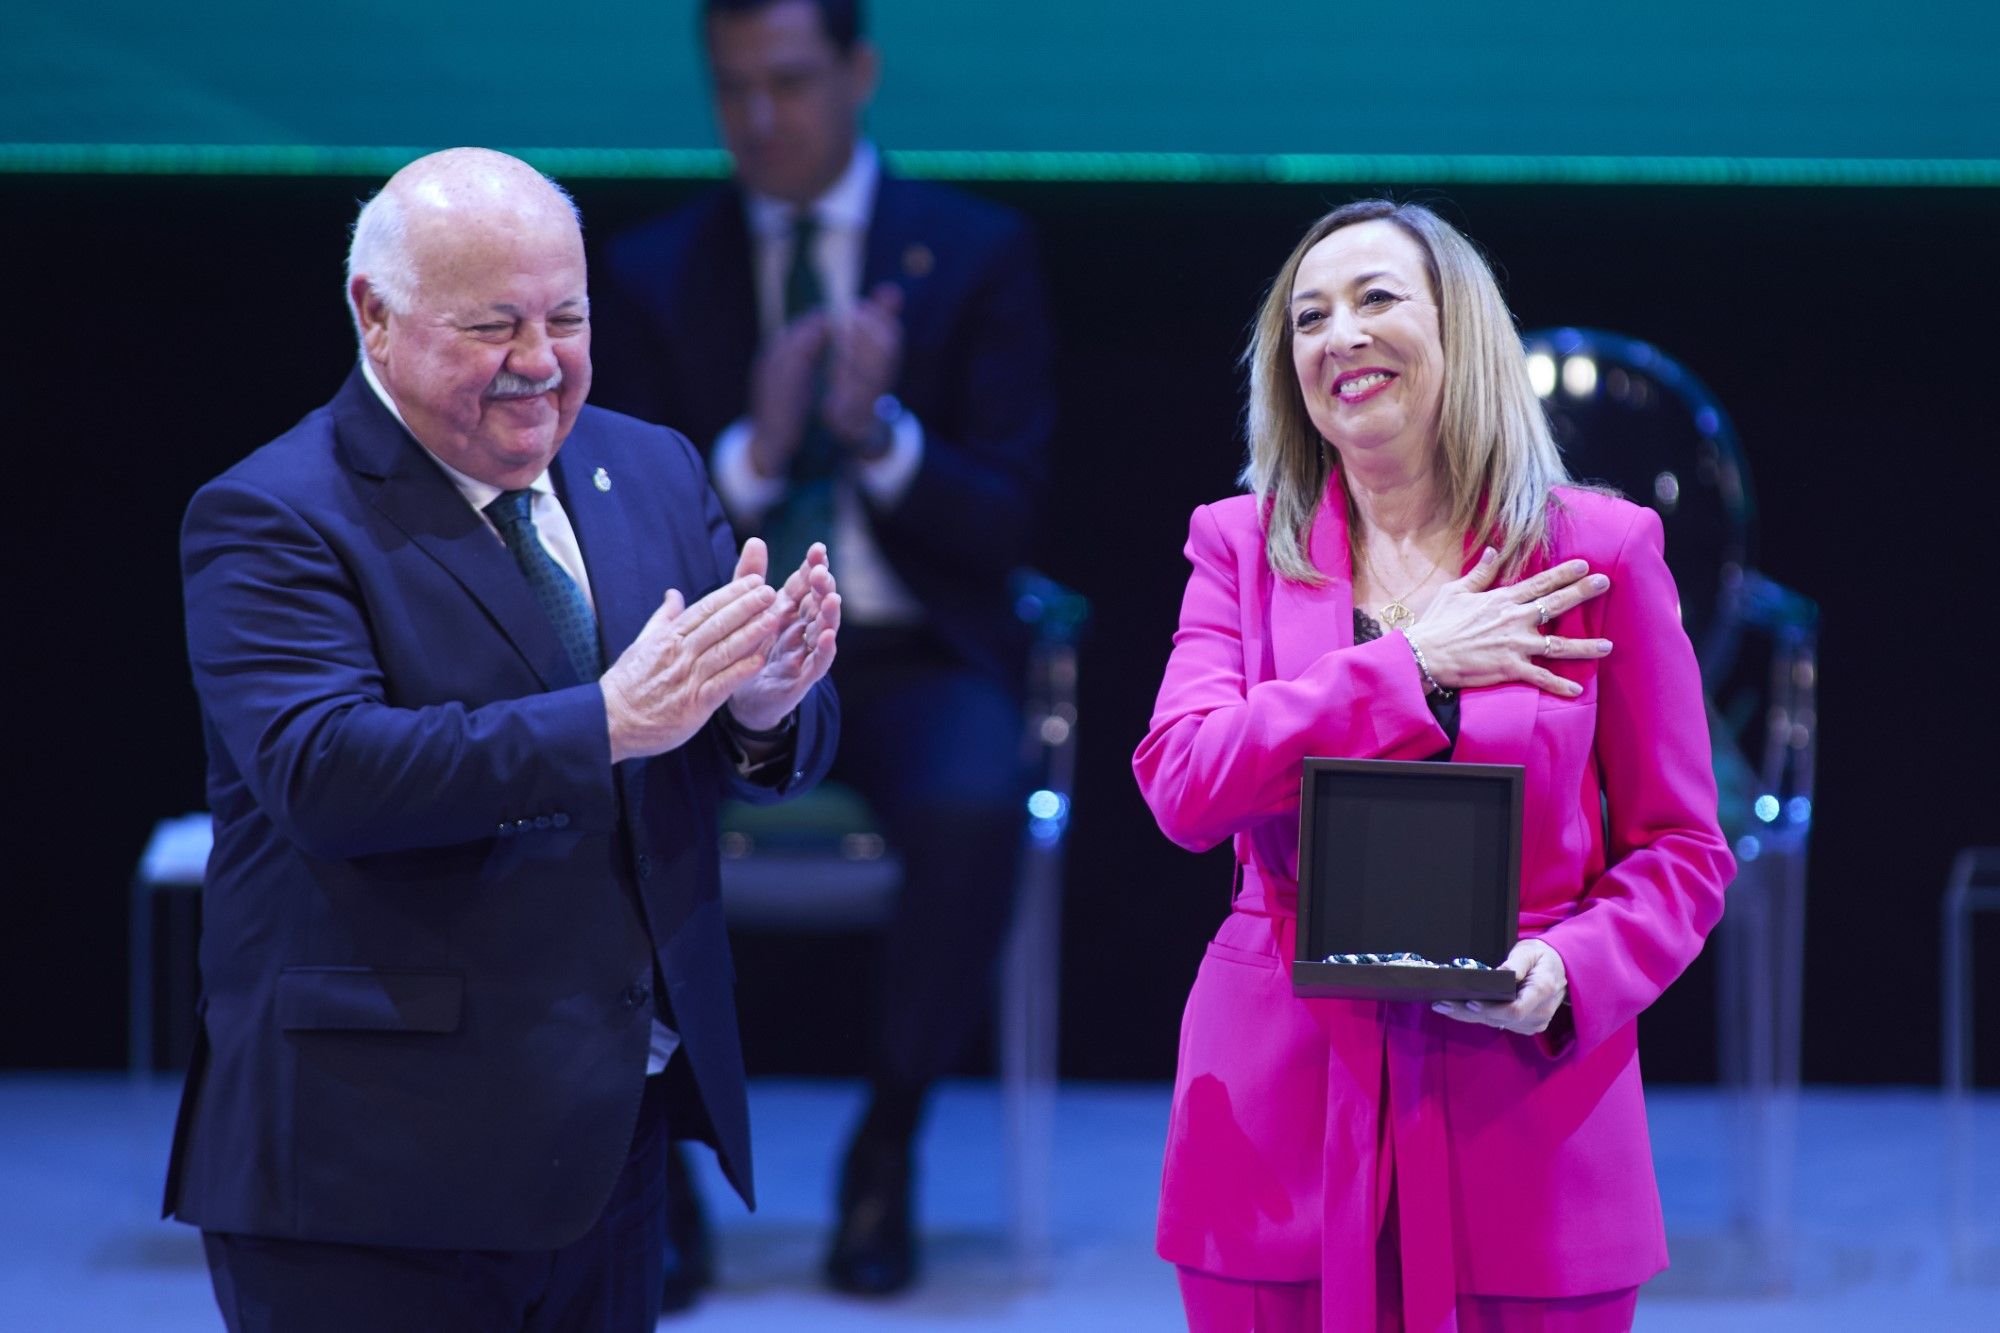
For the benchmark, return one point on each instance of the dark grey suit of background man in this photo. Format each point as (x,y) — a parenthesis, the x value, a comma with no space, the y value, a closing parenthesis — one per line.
(476,663)
(845,342)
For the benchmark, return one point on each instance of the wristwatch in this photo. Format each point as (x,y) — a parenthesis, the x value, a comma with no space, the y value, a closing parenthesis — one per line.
(882,434)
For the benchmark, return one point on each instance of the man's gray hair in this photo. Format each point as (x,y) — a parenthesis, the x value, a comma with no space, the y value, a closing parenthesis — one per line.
(379,246)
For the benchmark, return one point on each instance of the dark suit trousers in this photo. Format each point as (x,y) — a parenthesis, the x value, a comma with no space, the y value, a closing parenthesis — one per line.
(935,748)
(608,1281)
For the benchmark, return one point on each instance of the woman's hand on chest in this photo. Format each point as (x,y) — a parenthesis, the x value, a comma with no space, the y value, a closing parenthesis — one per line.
(1475,634)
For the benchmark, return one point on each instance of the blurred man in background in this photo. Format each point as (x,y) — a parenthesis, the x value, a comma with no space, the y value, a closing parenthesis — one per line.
(869,359)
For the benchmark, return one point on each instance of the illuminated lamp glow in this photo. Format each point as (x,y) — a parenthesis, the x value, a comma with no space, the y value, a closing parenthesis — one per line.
(1542,373)
(1579,375)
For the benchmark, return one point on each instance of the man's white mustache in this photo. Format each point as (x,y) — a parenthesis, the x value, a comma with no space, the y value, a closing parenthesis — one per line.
(509,385)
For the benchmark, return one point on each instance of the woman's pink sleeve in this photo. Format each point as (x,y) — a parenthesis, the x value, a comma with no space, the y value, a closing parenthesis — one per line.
(1644,919)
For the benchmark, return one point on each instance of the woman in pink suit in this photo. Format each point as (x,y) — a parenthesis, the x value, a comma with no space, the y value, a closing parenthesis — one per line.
(1412,577)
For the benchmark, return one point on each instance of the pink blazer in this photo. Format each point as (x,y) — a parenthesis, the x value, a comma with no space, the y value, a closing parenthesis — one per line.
(1521,1165)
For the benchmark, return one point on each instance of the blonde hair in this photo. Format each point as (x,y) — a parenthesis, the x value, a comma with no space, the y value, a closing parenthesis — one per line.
(1497,460)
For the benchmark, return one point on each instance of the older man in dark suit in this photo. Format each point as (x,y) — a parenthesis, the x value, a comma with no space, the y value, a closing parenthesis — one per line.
(476,663)
(867,359)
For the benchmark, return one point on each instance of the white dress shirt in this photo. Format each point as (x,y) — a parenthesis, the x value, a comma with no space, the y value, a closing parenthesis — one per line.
(558,538)
(870,591)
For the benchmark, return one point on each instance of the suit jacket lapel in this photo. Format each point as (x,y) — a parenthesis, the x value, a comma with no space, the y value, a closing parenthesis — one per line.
(1494,721)
(897,251)
(1308,622)
(419,499)
(885,242)
(609,541)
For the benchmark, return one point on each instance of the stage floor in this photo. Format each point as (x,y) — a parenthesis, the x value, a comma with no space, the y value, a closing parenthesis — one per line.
(81,1159)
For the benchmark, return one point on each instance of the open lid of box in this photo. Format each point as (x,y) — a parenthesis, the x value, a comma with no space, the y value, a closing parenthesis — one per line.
(1417,857)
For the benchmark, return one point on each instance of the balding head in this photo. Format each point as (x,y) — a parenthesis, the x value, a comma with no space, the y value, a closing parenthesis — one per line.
(466,281)
(469,185)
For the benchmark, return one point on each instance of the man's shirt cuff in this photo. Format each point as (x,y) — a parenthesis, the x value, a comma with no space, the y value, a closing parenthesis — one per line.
(887,479)
(771,766)
(747,495)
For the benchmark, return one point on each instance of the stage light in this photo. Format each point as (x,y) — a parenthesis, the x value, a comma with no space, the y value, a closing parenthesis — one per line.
(1799,809)
(1542,373)
(1579,375)
(1748,848)
(1048,816)
(1767,808)
(1667,490)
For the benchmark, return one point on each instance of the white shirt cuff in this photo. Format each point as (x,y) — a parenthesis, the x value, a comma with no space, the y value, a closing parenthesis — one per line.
(887,478)
(745,493)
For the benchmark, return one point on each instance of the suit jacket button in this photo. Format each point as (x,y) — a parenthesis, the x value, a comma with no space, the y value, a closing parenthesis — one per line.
(506,829)
(645,864)
(543,821)
(634,996)
(559,819)
(522,826)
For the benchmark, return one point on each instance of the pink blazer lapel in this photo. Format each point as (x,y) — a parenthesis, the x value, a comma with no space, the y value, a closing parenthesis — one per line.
(1495,721)
(1308,622)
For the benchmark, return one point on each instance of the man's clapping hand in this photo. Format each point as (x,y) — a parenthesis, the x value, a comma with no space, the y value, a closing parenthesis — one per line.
(867,347)
(686,663)
(808,612)
(781,392)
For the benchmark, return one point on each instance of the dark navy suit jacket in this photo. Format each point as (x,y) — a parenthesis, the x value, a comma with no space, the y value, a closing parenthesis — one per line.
(675,307)
(435,911)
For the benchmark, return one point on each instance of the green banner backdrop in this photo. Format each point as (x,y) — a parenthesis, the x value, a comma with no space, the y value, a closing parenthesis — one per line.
(1691,91)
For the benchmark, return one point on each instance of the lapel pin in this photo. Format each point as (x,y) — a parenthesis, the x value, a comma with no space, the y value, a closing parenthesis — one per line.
(601,479)
(918,261)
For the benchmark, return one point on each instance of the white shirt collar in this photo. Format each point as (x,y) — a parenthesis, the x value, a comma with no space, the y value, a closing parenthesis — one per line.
(477,493)
(845,206)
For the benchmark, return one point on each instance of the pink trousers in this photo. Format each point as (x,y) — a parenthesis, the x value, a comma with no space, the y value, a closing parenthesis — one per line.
(1224,1305)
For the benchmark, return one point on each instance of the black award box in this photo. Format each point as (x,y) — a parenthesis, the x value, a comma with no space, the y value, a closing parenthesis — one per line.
(1403,865)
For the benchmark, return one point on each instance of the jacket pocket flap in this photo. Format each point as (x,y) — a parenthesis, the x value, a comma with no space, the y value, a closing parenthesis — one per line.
(366,999)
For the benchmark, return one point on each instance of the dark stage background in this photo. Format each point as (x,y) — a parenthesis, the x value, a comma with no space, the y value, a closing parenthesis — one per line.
(170,324)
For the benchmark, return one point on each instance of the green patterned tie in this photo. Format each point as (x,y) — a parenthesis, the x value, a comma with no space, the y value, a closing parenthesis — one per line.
(805,515)
(562,601)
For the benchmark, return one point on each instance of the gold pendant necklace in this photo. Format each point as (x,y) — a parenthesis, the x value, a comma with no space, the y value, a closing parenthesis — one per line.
(1394,614)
